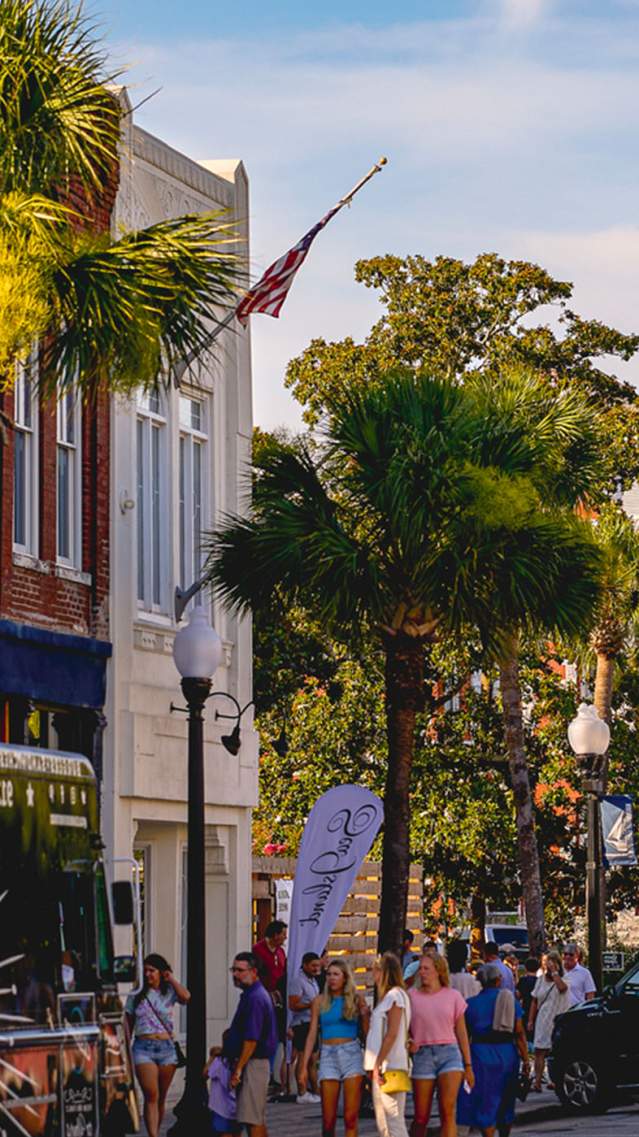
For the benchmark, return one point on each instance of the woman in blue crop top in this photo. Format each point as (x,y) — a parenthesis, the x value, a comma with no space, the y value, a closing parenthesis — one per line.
(338,1014)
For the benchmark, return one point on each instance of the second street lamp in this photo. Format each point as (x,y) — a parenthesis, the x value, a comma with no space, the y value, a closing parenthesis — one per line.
(589,737)
(197,651)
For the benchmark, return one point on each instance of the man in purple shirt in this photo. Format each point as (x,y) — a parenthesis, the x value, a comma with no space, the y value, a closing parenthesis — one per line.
(250,1043)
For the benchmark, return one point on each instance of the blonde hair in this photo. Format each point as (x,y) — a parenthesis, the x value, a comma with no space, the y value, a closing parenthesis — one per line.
(441,967)
(556,958)
(349,1007)
(390,973)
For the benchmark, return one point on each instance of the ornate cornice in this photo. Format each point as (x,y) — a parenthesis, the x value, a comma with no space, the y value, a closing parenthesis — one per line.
(183,169)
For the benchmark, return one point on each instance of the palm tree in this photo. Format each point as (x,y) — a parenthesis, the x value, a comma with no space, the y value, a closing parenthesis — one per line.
(553,437)
(617,616)
(116,313)
(403,521)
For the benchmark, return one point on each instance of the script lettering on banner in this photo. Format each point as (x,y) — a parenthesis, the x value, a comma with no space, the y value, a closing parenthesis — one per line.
(340,830)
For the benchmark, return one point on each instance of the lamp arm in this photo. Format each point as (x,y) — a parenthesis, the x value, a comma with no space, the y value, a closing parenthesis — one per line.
(182,596)
(239,710)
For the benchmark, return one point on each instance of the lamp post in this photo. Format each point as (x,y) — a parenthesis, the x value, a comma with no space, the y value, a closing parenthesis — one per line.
(589,737)
(197,651)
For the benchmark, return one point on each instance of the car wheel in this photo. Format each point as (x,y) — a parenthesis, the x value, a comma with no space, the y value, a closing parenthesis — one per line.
(581,1085)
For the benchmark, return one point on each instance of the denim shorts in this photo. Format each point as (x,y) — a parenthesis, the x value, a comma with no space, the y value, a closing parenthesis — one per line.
(341,1060)
(160,1051)
(431,1061)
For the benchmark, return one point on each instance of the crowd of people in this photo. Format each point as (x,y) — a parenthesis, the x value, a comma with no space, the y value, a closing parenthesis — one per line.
(439,1025)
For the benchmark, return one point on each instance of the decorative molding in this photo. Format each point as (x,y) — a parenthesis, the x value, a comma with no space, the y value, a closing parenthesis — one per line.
(146,638)
(159,639)
(183,169)
(215,858)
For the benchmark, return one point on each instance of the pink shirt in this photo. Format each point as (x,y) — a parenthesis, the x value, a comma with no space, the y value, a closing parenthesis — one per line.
(434,1014)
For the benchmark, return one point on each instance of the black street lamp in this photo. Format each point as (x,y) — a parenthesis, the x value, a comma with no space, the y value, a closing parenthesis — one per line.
(197,651)
(589,737)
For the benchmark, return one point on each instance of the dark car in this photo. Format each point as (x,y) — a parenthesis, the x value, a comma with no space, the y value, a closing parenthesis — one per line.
(595,1047)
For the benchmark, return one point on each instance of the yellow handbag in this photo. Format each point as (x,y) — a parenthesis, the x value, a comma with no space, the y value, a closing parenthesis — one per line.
(395,1082)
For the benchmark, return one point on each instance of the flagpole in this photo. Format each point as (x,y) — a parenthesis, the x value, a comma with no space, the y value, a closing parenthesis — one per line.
(376,169)
(181,367)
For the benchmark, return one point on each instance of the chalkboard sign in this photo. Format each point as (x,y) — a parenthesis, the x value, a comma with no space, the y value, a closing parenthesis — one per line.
(613,960)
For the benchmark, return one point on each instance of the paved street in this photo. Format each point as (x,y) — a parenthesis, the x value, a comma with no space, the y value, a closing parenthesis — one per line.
(545,1116)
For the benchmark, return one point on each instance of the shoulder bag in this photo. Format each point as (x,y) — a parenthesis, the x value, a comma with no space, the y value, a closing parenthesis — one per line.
(397,1081)
(180,1056)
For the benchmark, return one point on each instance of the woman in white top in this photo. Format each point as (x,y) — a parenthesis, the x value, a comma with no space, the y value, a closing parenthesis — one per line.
(550,998)
(387,1044)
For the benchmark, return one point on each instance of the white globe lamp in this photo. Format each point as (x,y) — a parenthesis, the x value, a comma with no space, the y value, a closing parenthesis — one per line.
(197,648)
(587,733)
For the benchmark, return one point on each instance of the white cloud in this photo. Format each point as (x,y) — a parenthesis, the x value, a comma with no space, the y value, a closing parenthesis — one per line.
(492,145)
(523,13)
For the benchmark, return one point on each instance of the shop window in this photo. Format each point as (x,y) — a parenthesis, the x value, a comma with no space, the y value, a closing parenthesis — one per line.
(69,479)
(152,528)
(25,463)
(193,482)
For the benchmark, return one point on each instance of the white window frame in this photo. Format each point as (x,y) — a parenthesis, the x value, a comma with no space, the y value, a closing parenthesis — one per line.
(192,439)
(152,532)
(28,434)
(69,443)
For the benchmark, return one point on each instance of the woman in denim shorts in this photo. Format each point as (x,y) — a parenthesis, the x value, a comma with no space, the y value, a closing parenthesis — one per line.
(439,1045)
(339,1014)
(150,1018)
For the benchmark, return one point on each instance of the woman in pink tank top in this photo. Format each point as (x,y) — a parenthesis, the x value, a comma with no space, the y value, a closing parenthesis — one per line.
(439,1045)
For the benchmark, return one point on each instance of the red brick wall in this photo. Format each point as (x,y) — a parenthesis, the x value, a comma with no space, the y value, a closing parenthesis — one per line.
(36,595)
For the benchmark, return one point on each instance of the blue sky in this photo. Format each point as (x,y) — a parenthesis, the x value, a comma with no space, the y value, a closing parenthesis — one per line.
(510,125)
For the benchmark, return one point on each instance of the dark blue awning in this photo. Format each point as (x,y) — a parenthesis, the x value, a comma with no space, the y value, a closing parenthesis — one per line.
(52,667)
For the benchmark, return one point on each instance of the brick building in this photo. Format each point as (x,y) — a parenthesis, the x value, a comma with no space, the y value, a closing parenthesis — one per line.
(54,557)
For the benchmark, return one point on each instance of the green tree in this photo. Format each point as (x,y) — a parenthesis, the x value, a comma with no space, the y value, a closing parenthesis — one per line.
(414,515)
(458,319)
(113,313)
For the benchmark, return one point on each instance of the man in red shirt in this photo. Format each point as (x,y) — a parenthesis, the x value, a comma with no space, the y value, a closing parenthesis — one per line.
(271,961)
(271,958)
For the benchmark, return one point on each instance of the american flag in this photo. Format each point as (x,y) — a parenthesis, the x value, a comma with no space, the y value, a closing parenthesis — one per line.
(270,292)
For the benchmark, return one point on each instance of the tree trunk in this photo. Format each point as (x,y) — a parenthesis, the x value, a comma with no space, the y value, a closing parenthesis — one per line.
(603,685)
(528,852)
(404,699)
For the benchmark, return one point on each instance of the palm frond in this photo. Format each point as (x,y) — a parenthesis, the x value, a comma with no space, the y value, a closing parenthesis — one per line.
(527,425)
(57,117)
(127,311)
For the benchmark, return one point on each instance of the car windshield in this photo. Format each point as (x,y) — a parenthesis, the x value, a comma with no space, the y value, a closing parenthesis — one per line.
(630,986)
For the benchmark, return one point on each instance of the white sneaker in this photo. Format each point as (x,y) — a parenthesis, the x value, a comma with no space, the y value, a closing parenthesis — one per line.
(315,1098)
(307,1099)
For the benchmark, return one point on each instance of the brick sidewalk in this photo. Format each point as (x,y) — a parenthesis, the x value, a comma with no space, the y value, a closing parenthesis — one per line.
(292,1120)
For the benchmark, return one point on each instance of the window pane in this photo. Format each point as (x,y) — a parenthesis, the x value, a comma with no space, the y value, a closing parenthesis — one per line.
(140,506)
(182,506)
(155,513)
(26,400)
(64,497)
(20,489)
(196,414)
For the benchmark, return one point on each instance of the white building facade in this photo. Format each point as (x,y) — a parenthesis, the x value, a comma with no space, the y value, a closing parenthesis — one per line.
(178,463)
